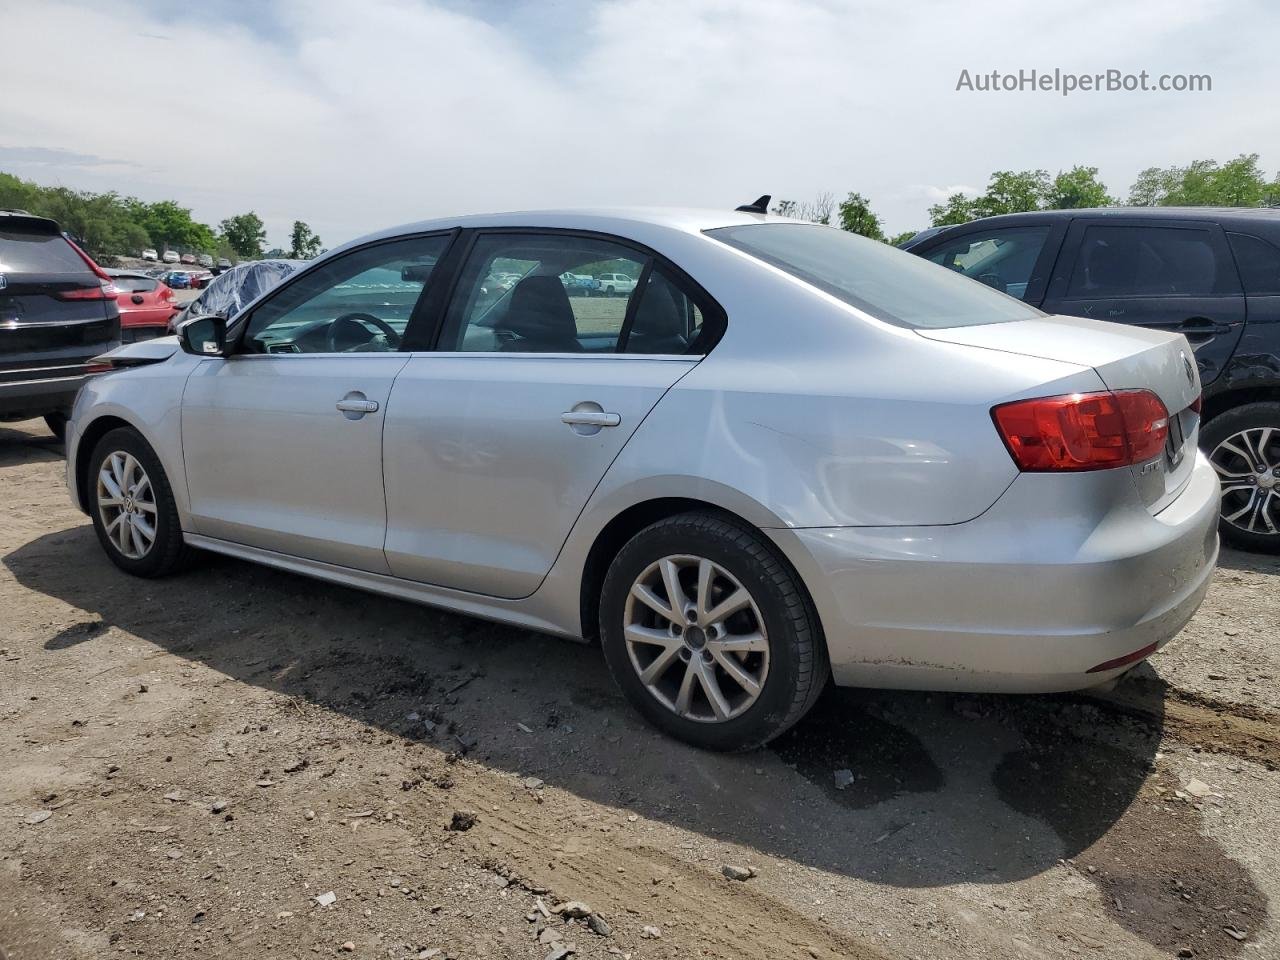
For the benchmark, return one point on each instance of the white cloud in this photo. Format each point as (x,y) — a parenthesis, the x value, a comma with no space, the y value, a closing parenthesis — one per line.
(354,117)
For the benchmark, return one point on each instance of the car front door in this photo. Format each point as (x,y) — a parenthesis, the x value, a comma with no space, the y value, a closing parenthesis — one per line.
(495,441)
(283,439)
(1175,275)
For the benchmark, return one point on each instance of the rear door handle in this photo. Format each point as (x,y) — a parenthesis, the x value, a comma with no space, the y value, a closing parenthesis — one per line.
(590,418)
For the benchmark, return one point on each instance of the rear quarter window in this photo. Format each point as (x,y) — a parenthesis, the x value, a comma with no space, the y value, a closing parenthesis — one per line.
(24,251)
(1259,264)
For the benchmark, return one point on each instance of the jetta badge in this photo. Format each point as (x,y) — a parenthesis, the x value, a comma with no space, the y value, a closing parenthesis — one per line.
(1188,368)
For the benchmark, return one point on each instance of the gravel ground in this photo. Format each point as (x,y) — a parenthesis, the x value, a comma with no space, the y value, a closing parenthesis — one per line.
(238,762)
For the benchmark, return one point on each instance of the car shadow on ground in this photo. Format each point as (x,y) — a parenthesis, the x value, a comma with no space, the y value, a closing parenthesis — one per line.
(20,446)
(939,788)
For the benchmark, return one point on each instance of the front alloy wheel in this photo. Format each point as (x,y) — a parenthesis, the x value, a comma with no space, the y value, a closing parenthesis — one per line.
(132,506)
(696,638)
(127,504)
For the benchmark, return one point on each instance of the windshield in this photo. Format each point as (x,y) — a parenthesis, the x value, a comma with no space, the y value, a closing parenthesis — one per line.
(887,283)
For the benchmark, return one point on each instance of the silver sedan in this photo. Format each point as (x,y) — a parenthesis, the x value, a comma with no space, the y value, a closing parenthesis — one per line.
(785,455)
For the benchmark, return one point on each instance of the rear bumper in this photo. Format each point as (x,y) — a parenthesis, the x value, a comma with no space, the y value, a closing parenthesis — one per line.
(34,392)
(1062,574)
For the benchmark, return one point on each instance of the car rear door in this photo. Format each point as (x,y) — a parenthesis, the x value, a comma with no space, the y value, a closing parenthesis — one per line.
(283,439)
(495,441)
(1167,274)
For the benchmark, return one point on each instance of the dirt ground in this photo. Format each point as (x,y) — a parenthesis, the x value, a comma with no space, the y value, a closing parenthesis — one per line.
(238,762)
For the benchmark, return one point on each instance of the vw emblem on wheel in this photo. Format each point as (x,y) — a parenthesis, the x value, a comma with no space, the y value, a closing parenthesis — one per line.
(1188,368)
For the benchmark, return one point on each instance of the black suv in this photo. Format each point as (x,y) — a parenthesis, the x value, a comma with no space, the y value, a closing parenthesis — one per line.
(1212,274)
(57,310)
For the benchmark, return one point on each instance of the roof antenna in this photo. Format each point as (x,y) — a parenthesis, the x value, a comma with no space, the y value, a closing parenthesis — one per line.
(760,206)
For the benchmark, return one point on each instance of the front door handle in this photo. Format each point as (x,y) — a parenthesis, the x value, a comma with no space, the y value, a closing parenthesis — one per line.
(590,418)
(355,405)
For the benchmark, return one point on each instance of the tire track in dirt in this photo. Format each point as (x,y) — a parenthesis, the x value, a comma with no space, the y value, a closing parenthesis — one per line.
(633,884)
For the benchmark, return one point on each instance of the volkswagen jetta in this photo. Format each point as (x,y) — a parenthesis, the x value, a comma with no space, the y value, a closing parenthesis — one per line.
(789,454)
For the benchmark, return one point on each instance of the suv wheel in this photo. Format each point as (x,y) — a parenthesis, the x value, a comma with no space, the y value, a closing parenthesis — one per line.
(57,424)
(1244,447)
(709,633)
(134,513)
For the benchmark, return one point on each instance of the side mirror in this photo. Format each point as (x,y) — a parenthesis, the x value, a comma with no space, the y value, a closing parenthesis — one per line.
(204,336)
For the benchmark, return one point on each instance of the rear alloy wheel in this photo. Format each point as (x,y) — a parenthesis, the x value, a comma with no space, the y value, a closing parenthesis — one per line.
(1244,447)
(132,506)
(710,634)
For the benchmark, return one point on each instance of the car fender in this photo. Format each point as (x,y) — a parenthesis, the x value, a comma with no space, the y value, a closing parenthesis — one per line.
(146,398)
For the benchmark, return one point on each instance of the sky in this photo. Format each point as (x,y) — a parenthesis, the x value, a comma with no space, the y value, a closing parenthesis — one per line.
(358,116)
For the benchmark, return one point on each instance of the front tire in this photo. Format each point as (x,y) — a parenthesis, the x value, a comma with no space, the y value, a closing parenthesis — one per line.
(1243,445)
(738,657)
(132,506)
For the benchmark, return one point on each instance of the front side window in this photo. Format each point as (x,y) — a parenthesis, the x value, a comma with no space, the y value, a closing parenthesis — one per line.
(1002,259)
(358,303)
(542,293)
(883,281)
(1144,262)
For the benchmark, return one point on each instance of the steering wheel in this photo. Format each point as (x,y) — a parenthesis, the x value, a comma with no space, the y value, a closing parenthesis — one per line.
(358,324)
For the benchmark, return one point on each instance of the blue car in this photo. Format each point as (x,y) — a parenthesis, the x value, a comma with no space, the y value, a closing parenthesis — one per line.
(177,279)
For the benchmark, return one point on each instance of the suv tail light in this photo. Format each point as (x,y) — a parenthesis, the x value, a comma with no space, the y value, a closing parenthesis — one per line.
(1083,431)
(105,290)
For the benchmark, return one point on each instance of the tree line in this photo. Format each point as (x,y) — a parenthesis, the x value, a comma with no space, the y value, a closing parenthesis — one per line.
(107,224)
(1237,183)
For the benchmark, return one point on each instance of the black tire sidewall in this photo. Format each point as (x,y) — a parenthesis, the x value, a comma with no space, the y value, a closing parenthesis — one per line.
(168,546)
(768,716)
(1246,417)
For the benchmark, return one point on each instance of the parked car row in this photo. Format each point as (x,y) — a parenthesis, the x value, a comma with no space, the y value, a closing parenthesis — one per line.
(203,259)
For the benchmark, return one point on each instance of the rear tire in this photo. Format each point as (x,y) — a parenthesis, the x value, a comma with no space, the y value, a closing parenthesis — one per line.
(57,424)
(1238,444)
(133,509)
(767,660)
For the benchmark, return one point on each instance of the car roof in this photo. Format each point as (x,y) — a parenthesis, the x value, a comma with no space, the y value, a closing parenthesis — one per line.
(612,220)
(1220,214)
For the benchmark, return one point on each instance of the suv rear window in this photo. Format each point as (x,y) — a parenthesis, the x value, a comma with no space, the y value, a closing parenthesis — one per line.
(27,251)
(883,281)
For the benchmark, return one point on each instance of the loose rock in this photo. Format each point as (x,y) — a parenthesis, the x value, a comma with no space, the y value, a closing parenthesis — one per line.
(650,933)
(597,925)
(463,820)
(733,872)
(843,778)
(573,909)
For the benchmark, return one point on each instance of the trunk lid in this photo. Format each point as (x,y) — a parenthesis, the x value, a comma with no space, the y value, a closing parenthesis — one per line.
(1126,358)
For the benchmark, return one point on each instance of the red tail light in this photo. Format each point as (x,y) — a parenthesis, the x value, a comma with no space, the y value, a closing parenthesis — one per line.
(1198,403)
(1083,431)
(105,290)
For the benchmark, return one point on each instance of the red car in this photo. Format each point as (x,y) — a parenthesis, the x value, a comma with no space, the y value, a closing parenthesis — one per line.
(145,303)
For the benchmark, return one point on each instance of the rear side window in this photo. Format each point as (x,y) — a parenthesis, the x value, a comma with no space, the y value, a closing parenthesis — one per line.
(883,281)
(1145,262)
(24,251)
(666,319)
(1259,264)
(1002,259)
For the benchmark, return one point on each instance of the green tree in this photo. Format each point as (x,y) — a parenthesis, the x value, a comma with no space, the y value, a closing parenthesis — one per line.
(246,234)
(1236,183)
(1076,188)
(1010,191)
(170,225)
(305,244)
(957,208)
(856,217)
(898,239)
